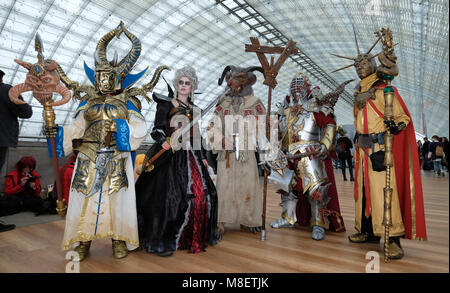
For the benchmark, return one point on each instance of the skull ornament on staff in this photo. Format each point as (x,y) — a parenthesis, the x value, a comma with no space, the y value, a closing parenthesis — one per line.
(42,79)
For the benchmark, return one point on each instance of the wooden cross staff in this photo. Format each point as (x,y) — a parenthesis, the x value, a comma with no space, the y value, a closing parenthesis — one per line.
(270,72)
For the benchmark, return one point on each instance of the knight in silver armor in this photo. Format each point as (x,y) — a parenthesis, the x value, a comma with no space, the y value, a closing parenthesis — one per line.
(307,130)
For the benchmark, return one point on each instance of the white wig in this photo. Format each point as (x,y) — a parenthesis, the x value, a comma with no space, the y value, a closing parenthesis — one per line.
(189,72)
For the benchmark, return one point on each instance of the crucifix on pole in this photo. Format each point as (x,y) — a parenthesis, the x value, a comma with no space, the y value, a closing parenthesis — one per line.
(271,71)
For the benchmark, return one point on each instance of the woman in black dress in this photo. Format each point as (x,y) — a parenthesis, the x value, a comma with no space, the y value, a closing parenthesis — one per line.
(176,199)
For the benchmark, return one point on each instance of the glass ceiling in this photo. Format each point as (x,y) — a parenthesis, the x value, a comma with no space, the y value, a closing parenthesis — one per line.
(210,34)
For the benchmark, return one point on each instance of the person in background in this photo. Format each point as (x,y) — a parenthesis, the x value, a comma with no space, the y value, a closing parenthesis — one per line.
(419,151)
(436,153)
(23,187)
(9,133)
(426,161)
(345,153)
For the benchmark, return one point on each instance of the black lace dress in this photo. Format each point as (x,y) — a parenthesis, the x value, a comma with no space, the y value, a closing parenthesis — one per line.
(177,200)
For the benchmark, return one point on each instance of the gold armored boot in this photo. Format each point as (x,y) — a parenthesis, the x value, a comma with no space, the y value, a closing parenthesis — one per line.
(83,249)
(119,248)
(363,238)
(395,251)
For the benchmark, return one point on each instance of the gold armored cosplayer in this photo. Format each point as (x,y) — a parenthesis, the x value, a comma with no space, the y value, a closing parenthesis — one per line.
(104,101)
(109,122)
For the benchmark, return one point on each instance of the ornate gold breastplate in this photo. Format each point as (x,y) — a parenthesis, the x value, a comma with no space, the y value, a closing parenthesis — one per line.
(98,110)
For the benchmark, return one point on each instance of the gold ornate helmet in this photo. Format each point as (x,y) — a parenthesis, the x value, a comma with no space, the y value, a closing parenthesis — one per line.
(113,76)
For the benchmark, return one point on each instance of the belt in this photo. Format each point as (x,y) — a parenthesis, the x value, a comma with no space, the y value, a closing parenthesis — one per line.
(97,142)
(376,137)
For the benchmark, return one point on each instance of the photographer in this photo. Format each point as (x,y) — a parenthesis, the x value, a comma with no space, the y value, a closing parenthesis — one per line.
(23,188)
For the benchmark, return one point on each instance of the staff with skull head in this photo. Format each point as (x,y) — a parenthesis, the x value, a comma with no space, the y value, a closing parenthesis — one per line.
(43,80)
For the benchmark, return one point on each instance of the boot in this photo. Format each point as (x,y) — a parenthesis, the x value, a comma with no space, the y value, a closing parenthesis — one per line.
(395,250)
(220,230)
(119,249)
(363,238)
(281,223)
(83,250)
(5,227)
(165,253)
(318,233)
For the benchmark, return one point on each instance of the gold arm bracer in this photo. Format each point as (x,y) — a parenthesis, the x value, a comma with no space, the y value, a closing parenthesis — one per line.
(329,136)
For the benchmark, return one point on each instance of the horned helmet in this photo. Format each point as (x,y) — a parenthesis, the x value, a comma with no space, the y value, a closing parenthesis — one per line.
(112,76)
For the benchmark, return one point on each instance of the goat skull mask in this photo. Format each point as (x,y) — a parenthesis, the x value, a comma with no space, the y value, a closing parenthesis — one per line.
(240,80)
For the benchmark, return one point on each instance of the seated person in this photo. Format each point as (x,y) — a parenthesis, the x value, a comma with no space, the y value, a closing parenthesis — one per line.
(23,187)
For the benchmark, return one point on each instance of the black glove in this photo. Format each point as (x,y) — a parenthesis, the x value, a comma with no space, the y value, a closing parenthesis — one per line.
(393,127)
(51,131)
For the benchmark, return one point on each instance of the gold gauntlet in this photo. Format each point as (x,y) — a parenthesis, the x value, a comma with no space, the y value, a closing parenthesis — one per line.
(329,136)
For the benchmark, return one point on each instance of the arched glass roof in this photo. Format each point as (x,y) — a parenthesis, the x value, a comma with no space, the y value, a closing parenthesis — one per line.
(209,35)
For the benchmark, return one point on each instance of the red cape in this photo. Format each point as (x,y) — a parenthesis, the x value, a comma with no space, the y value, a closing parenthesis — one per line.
(407,176)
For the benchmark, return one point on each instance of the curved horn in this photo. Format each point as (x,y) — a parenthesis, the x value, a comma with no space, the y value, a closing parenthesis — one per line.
(65,93)
(50,66)
(100,50)
(149,86)
(23,63)
(226,69)
(16,90)
(127,63)
(257,68)
(62,75)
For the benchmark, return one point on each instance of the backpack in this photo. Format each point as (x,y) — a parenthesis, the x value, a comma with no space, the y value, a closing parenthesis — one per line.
(439,152)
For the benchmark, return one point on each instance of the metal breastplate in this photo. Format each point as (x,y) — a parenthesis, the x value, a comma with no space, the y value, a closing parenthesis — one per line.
(302,128)
(99,110)
(305,133)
